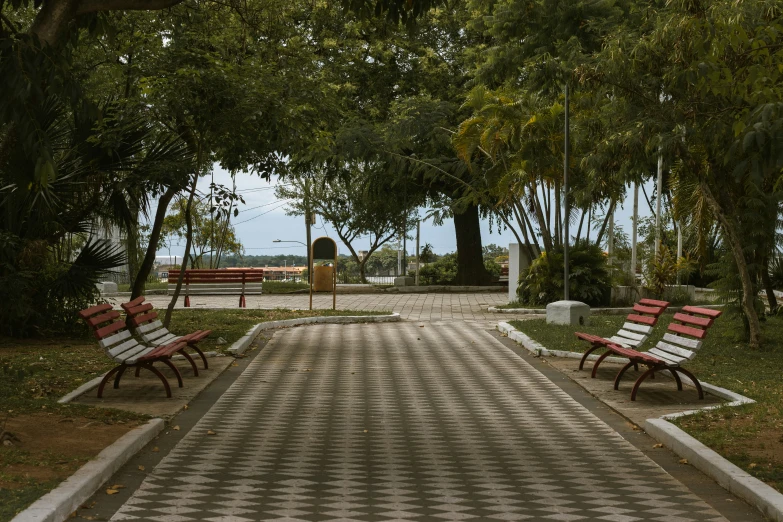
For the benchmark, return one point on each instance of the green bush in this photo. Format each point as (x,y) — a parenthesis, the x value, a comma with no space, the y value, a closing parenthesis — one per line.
(590,281)
(441,272)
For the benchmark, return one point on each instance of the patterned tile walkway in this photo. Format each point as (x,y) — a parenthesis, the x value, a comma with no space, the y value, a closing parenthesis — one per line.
(397,422)
(416,307)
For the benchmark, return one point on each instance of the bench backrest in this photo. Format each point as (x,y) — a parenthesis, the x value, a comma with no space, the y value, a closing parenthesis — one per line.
(685,333)
(639,323)
(112,333)
(205,280)
(144,320)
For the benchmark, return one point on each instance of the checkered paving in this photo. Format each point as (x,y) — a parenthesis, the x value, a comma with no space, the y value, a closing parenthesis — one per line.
(384,422)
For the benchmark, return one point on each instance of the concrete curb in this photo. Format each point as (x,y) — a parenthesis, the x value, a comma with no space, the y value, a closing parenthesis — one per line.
(597,311)
(730,477)
(444,289)
(738,482)
(58,504)
(538,349)
(242,344)
(90,385)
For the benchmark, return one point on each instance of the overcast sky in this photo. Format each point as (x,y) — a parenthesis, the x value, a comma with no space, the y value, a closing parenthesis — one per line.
(263,219)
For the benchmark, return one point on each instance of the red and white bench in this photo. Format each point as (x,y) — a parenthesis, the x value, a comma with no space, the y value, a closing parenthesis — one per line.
(678,346)
(145,323)
(118,343)
(221,281)
(637,328)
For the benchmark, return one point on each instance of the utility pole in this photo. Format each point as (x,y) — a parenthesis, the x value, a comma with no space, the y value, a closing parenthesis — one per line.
(308,222)
(565,201)
(658,198)
(418,236)
(634,234)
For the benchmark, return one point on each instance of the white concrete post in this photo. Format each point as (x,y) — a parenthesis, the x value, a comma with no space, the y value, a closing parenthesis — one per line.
(513,270)
(634,235)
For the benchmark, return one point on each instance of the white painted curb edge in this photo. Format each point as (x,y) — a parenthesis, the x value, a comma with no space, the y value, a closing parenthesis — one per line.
(730,477)
(89,385)
(242,344)
(58,504)
(538,349)
(735,480)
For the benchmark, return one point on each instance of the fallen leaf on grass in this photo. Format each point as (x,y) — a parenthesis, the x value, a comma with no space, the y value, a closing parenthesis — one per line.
(683,461)
(111,491)
(657,445)
(752,465)
(234,364)
(141,468)
(118,486)
(176,428)
(365,431)
(155,449)
(210,432)
(185,407)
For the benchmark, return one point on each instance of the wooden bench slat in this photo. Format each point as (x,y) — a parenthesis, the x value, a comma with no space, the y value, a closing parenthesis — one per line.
(692,344)
(149,327)
(100,333)
(124,347)
(98,319)
(84,314)
(151,316)
(692,319)
(632,335)
(135,302)
(709,312)
(676,350)
(652,310)
(646,330)
(114,339)
(624,341)
(642,319)
(138,309)
(666,356)
(654,302)
(688,330)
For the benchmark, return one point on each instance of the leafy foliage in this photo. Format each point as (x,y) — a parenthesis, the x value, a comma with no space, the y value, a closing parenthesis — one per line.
(589,278)
(441,272)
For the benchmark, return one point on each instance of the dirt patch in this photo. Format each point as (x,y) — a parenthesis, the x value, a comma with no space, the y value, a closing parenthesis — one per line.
(51,447)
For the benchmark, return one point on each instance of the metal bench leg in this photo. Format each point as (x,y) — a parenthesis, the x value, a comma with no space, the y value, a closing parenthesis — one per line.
(620,374)
(201,354)
(168,363)
(588,352)
(598,362)
(138,370)
(187,356)
(695,381)
(119,376)
(161,377)
(187,301)
(106,379)
(676,378)
(641,379)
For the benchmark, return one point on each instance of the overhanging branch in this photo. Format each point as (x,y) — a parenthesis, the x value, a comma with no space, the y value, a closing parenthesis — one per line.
(93,6)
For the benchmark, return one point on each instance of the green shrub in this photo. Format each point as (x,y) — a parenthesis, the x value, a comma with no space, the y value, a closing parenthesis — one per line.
(590,281)
(441,272)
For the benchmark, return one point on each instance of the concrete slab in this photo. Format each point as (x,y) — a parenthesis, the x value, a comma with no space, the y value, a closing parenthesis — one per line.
(145,394)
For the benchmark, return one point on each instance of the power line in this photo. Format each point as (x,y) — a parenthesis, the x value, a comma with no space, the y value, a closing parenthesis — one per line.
(259,206)
(261,214)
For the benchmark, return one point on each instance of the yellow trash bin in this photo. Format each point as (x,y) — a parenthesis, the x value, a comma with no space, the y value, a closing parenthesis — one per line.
(322,279)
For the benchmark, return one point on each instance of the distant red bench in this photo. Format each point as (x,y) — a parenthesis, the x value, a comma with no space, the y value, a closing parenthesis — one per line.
(221,281)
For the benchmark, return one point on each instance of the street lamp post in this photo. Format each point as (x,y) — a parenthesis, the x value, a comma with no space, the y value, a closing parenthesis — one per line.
(309,268)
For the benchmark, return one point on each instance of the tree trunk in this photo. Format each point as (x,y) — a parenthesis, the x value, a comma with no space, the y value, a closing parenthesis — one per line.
(149,257)
(735,244)
(470,260)
(767,282)
(188,241)
(603,225)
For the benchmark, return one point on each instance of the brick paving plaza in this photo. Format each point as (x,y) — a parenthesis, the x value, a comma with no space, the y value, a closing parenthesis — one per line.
(470,307)
(381,422)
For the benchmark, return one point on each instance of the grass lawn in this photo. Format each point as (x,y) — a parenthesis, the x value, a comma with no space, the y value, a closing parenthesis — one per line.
(34,373)
(750,436)
(284,287)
